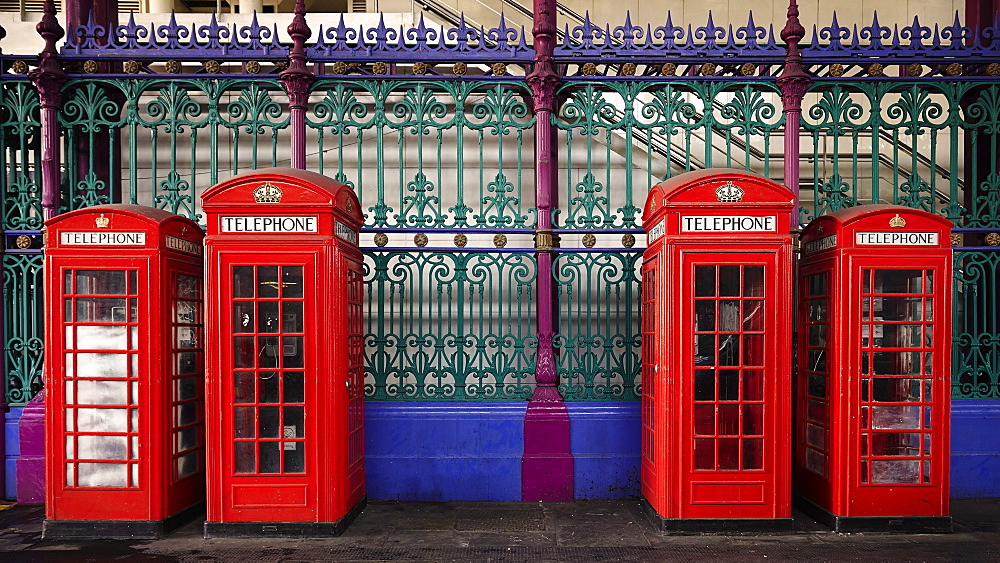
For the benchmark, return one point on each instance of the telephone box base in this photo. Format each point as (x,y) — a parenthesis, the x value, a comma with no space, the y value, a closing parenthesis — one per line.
(875,524)
(694,526)
(284,529)
(119,529)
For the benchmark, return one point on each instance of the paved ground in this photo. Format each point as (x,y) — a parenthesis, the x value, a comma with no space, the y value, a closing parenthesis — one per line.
(509,531)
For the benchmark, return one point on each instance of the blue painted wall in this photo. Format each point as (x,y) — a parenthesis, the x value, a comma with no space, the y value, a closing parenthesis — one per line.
(975,449)
(444,451)
(12,445)
(605,441)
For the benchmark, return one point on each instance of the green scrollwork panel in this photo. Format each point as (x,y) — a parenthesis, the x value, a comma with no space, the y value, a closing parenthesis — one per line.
(449,326)
(21,156)
(426,154)
(885,142)
(619,138)
(23,325)
(598,340)
(976,354)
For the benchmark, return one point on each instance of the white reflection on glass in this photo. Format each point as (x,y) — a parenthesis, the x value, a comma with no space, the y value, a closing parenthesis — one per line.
(101,392)
(107,365)
(103,475)
(102,420)
(102,447)
(101,337)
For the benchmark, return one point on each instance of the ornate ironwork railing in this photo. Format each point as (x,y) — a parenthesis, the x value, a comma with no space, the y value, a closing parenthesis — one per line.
(435,127)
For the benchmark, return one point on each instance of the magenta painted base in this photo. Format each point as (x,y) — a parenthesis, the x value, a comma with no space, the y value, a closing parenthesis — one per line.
(547,466)
(31,463)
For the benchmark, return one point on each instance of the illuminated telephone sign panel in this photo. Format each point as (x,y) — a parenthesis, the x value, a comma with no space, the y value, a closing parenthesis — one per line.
(124,372)
(874,353)
(716,353)
(285,376)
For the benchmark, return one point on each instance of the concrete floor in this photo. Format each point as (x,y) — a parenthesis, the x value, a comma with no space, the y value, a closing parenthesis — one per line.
(511,531)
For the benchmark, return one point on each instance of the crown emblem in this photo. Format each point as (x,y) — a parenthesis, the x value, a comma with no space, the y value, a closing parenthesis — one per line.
(729,193)
(819,230)
(102,222)
(267,193)
(349,206)
(897,222)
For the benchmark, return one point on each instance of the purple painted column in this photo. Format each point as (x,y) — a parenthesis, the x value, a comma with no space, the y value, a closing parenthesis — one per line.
(31,463)
(49,79)
(297,80)
(793,82)
(547,465)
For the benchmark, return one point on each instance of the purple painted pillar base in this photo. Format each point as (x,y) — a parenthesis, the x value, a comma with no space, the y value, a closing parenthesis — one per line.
(547,465)
(31,463)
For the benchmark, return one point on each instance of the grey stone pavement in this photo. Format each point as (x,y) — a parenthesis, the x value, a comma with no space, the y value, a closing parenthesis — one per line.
(515,531)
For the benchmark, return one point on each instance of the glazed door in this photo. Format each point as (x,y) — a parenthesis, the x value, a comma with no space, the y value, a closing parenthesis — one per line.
(729,383)
(900,397)
(269,384)
(100,400)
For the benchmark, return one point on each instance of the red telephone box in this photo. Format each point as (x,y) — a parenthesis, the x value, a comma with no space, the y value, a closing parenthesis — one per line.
(285,378)
(124,425)
(716,345)
(873,380)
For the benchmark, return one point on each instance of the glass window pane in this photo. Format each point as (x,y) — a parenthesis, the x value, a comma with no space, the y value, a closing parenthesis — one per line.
(291,316)
(269,422)
(753,385)
(704,385)
(187,464)
(729,420)
(244,422)
(269,457)
(294,391)
(753,454)
(185,312)
(817,386)
(105,282)
(101,310)
(185,388)
(753,420)
(102,475)
(753,315)
(267,281)
(896,390)
(294,422)
(244,353)
(102,420)
(729,316)
(729,281)
(106,365)
(704,281)
(729,454)
(896,444)
(704,353)
(267,318)
(267,387)
(753,350)
(753,281)
(895,416)
(101,337)
(187,362)
(899,281)
(291,348)
(243,282)
(729,350)
(704,420)
(704,315)
(729,385)
(243,316)
(292,282)
(246,456)
(704,453)
(102,447)
(817,284)
(295,461)
(817,336)
(101,392)
(896,471)
(816,436)
(817,310)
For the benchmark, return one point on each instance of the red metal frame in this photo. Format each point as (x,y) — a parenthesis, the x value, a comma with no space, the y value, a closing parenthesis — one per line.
(872,417)
(124,374)
(286,382)
(716,349)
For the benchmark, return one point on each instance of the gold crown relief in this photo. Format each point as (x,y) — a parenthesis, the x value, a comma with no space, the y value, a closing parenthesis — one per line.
(729,193)
(102,222)
(267,193)
(897,222)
